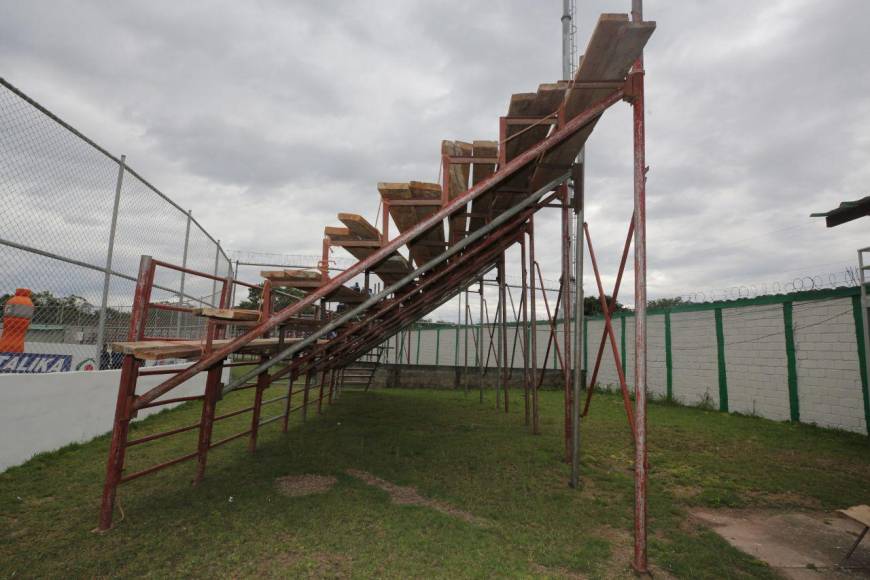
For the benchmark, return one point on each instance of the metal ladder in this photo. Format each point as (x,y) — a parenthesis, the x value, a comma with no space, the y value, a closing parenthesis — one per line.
(362,372)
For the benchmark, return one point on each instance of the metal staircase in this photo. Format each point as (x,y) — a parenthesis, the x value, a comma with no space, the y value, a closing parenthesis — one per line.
(361,372)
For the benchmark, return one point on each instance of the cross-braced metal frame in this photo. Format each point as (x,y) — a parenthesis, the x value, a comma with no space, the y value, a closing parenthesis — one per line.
(340,338)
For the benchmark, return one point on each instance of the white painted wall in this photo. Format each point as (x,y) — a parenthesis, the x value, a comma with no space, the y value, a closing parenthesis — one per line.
(43,412)
(696,369)
(755,361)
(756,364)
(829,382)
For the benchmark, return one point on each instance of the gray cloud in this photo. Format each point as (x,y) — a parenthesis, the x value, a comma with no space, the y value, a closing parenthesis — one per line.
(269,117)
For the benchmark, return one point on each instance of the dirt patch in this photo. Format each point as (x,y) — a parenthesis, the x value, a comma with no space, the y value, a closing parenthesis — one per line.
(556,572)
(798,545)
(408,495)
(301,485)
(322,565)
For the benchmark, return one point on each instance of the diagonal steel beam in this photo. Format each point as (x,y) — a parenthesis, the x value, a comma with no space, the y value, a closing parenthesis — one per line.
(558,137)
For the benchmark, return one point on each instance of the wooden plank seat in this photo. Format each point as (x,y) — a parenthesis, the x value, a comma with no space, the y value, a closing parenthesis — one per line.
(228,314)
(309,281)
(361,239)
(406,214)
(613,47)
(189,349)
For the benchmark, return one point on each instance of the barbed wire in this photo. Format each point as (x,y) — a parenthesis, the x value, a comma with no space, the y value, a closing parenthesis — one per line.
(848,277)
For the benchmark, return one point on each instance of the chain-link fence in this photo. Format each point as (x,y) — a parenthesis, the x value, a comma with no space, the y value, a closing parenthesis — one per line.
(74,221)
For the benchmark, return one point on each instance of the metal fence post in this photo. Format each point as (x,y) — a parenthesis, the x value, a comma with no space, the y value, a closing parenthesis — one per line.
(107,278)
(235,275)
(217,255)
(183,265)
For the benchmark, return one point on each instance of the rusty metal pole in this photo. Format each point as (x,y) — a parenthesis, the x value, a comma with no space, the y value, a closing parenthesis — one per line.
(566,318)
(579,344)
(305,395)
(480,362)
(640,375)
(263,380)
(525,327)
(536,423)
(124,410)
(465,349)
(503,359)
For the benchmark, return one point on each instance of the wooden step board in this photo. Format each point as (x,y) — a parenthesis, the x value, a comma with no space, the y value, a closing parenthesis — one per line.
(228,314)
(614,46)
(432,242)
(358,229)
(302,279)
(479,172)
(190,349)
(309,281)
(456,182)
(542,105)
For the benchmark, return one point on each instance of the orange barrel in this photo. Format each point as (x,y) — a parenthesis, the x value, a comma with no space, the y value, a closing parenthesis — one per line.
(16,320)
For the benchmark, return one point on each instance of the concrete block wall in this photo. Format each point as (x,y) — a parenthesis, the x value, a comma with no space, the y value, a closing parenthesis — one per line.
(756,365)
(792,357)
(693,351)
(828,367)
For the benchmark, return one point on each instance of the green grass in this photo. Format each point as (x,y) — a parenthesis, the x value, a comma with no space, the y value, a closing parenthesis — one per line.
(451,448)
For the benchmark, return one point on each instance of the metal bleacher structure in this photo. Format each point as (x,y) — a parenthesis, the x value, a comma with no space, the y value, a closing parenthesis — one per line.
(454,232)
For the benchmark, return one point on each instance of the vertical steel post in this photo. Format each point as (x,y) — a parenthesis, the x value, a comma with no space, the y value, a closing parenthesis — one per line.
(480,362)
(566,319)
(503,332)
(640,372)
(305,395)
(212,393)
(107,277)
(579,345)
(320,392)
(217,255)
(536,424)
(495,337)
(263,381)
(183,265)
(465,347)
(525,327)
(289,406)
(126,393)
(235,273)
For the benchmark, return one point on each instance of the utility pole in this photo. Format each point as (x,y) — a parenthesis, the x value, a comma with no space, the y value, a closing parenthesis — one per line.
(575,287)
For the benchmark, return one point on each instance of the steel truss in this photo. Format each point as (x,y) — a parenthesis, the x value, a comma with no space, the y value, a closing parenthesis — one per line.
(320,357)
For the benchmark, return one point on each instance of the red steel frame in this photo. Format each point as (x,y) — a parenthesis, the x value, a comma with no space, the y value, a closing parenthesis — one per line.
(416,299)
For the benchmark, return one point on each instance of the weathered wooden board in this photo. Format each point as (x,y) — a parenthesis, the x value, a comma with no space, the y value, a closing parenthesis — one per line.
(615,45)
(389,270)
(359,226)
(481,171)
(231,314)
(456,181)
(164,349)
(303,279)
(407,216)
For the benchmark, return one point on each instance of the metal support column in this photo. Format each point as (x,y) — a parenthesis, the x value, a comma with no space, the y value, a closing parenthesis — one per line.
(183,265)
(579,346)
(480,362)
(217,256)
(107,278)
(502,333)
(566,319)
(525,327)
(640,373)
(465,348)
(536,424)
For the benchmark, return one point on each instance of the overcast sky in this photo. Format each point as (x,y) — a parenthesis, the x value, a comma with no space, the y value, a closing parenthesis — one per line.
(267,118)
